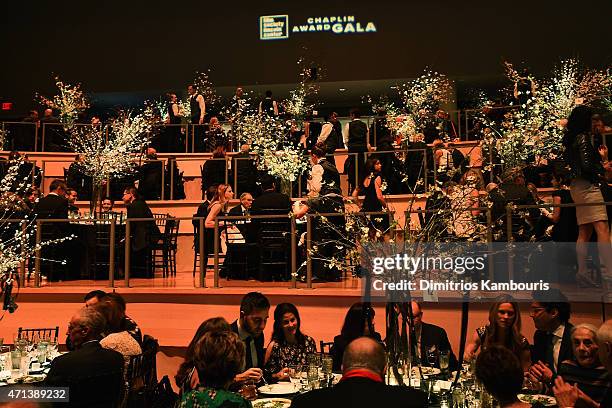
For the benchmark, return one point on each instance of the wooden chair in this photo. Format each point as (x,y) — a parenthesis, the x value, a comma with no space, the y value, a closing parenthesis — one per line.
(325,347)
(141,374)
(29,334)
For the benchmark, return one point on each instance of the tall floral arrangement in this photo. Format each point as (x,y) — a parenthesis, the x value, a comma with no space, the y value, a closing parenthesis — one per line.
(70,102)
(104,159)
(17,231)
(205,86)
(267,137)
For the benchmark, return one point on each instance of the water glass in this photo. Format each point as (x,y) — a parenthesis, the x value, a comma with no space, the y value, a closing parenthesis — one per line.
(295,373)
(41,353)
(313,377)
(327,364)
(314,359)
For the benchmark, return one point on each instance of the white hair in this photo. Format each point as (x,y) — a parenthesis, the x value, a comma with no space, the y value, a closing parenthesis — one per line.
(585,326)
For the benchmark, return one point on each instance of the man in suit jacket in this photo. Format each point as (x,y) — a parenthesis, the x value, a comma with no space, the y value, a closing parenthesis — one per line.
(150,179)
(244,208)
(362,383)
(270,201)
(552,341)
(93,374)
(254,309)
(144,233)
(54,206)
(431,337)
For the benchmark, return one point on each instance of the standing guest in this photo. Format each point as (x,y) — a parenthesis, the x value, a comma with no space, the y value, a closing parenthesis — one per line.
(254,309)
(362,384)
(504,329)
(25,139)
(219,356)
(187,376)
(268,106)
(329,138)
(198,111)
(93,374)
(324,177)
(500,371)
(213,171)
(374,201)
(173,133)
(568,395)
(414,163)
(358,322)
(215,136)
(144,233)
(289,346)
(552,341)
(355,137)
(430,337)
(72,197)
(588,173)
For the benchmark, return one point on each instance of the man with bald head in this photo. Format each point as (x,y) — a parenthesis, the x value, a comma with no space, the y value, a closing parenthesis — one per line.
(362,384)
(93,374)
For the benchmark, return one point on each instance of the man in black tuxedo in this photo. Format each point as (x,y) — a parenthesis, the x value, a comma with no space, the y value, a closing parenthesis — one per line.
(552,341)
(362,383)
(431,337)
(254,310)
(246,172)
(54,206)
(246,202)
(93,374)
(144,233)
(271,201)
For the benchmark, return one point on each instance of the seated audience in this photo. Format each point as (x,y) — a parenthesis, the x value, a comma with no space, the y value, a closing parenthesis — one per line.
(246,172)
(114,337)
(430,337)
(289,346)
(552,342)
(358,322)
(219,357)
(127,323)
(150,176)
(270,200)
(107,205)
(500,371)
(504,329)
(585,370)
(254,308)
(362,383)
(72,197)
(93,374)
(144,233)
(187,376)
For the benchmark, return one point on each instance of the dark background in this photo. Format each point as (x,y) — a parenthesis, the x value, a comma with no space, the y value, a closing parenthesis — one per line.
(125,50)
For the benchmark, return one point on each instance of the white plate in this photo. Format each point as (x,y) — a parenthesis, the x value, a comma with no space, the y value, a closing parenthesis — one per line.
(545,400)
(279,389)
(272,403)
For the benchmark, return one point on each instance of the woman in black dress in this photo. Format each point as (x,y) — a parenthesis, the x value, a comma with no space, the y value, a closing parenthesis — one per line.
(371,187)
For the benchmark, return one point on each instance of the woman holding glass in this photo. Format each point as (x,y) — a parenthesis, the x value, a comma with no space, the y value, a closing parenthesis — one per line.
(289,346)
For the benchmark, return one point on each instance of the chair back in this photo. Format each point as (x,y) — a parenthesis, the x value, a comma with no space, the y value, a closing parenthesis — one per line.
(29,334)
(160,221)
(171,230)
(141,374)
(325,346)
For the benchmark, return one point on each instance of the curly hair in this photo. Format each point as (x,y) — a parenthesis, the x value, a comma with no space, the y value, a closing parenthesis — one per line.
(219,356)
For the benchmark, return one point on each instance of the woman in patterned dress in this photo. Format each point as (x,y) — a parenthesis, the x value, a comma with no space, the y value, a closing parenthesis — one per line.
(289,346)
